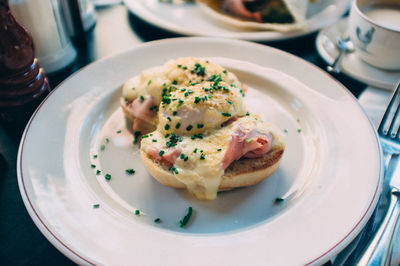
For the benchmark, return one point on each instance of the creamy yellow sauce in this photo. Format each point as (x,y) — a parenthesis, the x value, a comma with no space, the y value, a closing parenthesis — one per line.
(175,73)
(202,171)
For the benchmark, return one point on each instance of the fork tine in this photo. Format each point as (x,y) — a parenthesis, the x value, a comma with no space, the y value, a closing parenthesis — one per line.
(388,117)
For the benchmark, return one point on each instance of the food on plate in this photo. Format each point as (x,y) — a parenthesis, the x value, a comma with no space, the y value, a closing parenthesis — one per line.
(203,138)
(142,94)
(279,15)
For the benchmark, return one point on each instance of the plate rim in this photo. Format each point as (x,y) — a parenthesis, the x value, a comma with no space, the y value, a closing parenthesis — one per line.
(79,258)
(135,5)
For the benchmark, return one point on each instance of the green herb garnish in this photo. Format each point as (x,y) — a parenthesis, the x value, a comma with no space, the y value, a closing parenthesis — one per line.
(136,135)
(278,200)
(186,218)
(130,171)
(95,206)
(226,114)
(107,177)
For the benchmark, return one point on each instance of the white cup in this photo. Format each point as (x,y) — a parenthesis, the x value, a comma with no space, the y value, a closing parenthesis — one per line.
(374,27)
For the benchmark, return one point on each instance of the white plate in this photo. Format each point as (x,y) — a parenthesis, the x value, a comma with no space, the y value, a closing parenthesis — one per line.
(189,19)
(351,64)
(333,164)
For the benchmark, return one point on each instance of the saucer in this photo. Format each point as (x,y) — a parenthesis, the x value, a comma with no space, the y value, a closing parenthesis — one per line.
(351,64)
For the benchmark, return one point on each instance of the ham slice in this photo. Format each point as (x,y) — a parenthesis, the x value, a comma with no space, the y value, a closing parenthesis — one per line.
(143,111)
(248,145)
(237,8)
(169,157)
(142,108)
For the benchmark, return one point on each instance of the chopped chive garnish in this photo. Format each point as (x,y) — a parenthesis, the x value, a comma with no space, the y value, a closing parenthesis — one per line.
(95,206)
(185,67)
(247,113)
(161,153)
(157,220)
(98,172)
(107,177)
(279,199)
(102,147)
(107,140)
(219,150)
(119,131)
(249,140)
(299,130)
(225,71)
(186,219)
(154,140)
(229,102)
(149,82)
(173,169)
(186,158)
(199,69)
(130,171)
(195,150)
(93,165)
(178,125)
(189,127)
(182,156)
(169,118)
(95,156)
(202,157)
(179,65)
(226,114)
(141,98)
(285,130)
(154,107)
(137,212)
(175,82)
(145,136)
(166,127)
(136,136)
(174,113)
(200,125)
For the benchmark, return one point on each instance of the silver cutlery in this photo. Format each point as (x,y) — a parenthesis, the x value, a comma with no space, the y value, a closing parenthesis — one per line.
(344,45)
(378,249)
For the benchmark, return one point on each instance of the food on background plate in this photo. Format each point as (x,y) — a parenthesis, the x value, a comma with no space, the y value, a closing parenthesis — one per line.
(278,15)
(201,138)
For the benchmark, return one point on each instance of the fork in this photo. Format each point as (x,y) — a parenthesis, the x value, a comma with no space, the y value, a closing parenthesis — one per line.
(379,248)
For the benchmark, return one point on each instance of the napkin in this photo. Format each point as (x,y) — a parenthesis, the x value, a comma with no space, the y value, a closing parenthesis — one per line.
(374,101)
